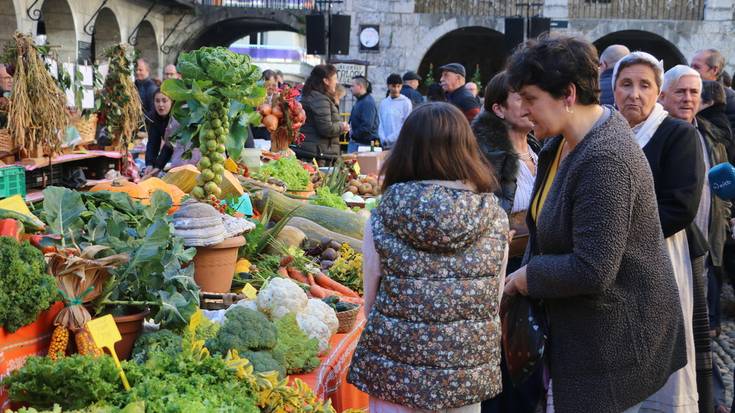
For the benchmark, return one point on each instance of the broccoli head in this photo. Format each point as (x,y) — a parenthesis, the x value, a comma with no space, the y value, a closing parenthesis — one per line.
(244,330)
(295,350)
(162,340)
(263,361)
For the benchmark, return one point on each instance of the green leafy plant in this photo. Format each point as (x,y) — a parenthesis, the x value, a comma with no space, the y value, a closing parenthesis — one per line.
(72,382)
(477,78)
(153,276)
(25,287)
(325,197)
(214,103)
(295,350)
(286,169)
(429,78)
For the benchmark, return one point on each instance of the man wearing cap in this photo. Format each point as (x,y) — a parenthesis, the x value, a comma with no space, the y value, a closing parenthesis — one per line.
(410,84)
(453,81)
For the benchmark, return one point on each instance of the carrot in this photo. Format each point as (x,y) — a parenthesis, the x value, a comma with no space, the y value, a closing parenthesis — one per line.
(297,275)
(282,272)
(331,284)
(286,260)
(318,292)
(353,300)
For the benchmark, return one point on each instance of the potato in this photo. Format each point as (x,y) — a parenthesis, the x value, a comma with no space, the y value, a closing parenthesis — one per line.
(365,188)
(354,182)
(354,189)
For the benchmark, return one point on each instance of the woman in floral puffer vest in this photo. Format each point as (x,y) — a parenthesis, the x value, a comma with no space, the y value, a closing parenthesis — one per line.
(435,251)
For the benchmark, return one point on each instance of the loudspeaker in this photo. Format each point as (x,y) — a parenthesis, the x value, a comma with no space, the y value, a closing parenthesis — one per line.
(316,34)
(513,32)
(339,34)
(538,26)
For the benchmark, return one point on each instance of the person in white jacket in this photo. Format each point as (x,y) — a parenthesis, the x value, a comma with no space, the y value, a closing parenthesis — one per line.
(393,111)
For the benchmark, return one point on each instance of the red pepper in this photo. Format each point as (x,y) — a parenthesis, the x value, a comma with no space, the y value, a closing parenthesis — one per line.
(11,228)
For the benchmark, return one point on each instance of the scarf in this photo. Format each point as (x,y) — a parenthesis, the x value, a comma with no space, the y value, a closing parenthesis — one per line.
(644,131)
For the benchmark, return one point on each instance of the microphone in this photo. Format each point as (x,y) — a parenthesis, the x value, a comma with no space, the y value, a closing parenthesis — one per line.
(722,180)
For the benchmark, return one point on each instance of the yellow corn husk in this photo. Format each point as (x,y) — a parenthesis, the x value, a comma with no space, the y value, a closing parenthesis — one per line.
(184,177)
(85,344)
(230,165)
(231,186)
(59,342)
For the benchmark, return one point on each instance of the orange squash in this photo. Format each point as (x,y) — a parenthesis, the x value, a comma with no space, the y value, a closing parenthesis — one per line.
(121,185)
(151,185)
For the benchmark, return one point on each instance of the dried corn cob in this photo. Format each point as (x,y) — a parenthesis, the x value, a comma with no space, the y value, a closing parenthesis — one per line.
(85,344)
(59,341)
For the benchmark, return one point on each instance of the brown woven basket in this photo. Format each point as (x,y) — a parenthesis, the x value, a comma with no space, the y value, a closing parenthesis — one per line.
(6,141)
(87,127)
(347,320)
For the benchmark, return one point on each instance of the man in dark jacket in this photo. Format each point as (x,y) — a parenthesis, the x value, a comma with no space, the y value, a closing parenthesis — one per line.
(710,63)
(410,84)
(364,115)
(453,81)
(145,85)
(608,58)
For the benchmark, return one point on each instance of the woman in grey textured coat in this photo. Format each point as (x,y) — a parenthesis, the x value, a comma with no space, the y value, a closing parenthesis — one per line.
(596,255)
(323,126)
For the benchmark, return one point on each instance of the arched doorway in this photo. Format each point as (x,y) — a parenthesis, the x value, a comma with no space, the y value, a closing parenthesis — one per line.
(646,42)
(106,33)
(58,21)
(470,46)
(226,32)
(147,45)
(8,23)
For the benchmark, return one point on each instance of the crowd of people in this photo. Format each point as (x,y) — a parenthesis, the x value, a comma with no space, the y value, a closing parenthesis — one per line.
(576,192)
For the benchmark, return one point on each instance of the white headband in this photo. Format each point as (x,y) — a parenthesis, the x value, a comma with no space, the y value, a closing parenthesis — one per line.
(641,56)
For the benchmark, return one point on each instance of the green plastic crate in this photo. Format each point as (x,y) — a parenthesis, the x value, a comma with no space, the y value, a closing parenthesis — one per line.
(12,181)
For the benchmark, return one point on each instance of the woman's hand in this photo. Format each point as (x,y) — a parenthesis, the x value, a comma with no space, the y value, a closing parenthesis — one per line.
(517,283)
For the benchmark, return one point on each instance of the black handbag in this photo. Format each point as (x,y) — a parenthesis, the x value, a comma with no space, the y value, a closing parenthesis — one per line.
(524,336)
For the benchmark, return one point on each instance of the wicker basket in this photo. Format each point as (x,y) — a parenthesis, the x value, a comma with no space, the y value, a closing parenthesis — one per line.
(6,141)
(87,127)
(347,320)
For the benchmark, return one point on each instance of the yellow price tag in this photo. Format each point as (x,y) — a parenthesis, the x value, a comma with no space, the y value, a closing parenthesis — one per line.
(105,334)
(249,291)
(356,167)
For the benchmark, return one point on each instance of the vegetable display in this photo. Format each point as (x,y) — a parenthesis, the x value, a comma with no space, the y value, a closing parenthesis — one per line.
(325,197)
(214,103)
(283,118)
(37,105)
(121,111)
(286,169)
(295,350)
(25,287)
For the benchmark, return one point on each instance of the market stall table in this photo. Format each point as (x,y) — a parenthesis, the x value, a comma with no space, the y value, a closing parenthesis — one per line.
(329,380)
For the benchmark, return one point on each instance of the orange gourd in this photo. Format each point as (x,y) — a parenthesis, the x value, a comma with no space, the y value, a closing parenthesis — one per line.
(151,185)
(121,185)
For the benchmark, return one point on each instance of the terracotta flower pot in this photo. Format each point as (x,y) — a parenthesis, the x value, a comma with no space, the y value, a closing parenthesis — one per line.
(130,327)
(214,266)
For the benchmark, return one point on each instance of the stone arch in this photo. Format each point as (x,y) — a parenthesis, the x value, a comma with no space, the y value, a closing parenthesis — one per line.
(8,21)
(147,44)
(106,33)
(57,20)
(225,32)
(468,46)
(644,41)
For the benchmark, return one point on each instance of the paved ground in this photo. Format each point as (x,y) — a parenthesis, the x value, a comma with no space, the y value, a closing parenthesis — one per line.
(724,345)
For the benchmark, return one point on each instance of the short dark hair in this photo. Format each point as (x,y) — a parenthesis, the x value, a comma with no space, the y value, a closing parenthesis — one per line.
(726,79)
(435,93)
(713,91)
(268,74)
(554,62)
(394,79)
(364,82)
(497,91)
(315,81)
(436,142)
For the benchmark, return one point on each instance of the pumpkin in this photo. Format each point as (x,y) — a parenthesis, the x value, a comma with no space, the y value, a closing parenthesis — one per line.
(231,186)
(152,185)
(184,177)
(121,185)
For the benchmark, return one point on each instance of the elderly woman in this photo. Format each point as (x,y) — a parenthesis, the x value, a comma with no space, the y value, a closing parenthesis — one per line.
(674,154)
(596,255)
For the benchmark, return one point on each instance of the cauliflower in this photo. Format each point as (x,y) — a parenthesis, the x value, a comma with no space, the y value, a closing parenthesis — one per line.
(323,312)
(315,328)
(319,321)
(280,297)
